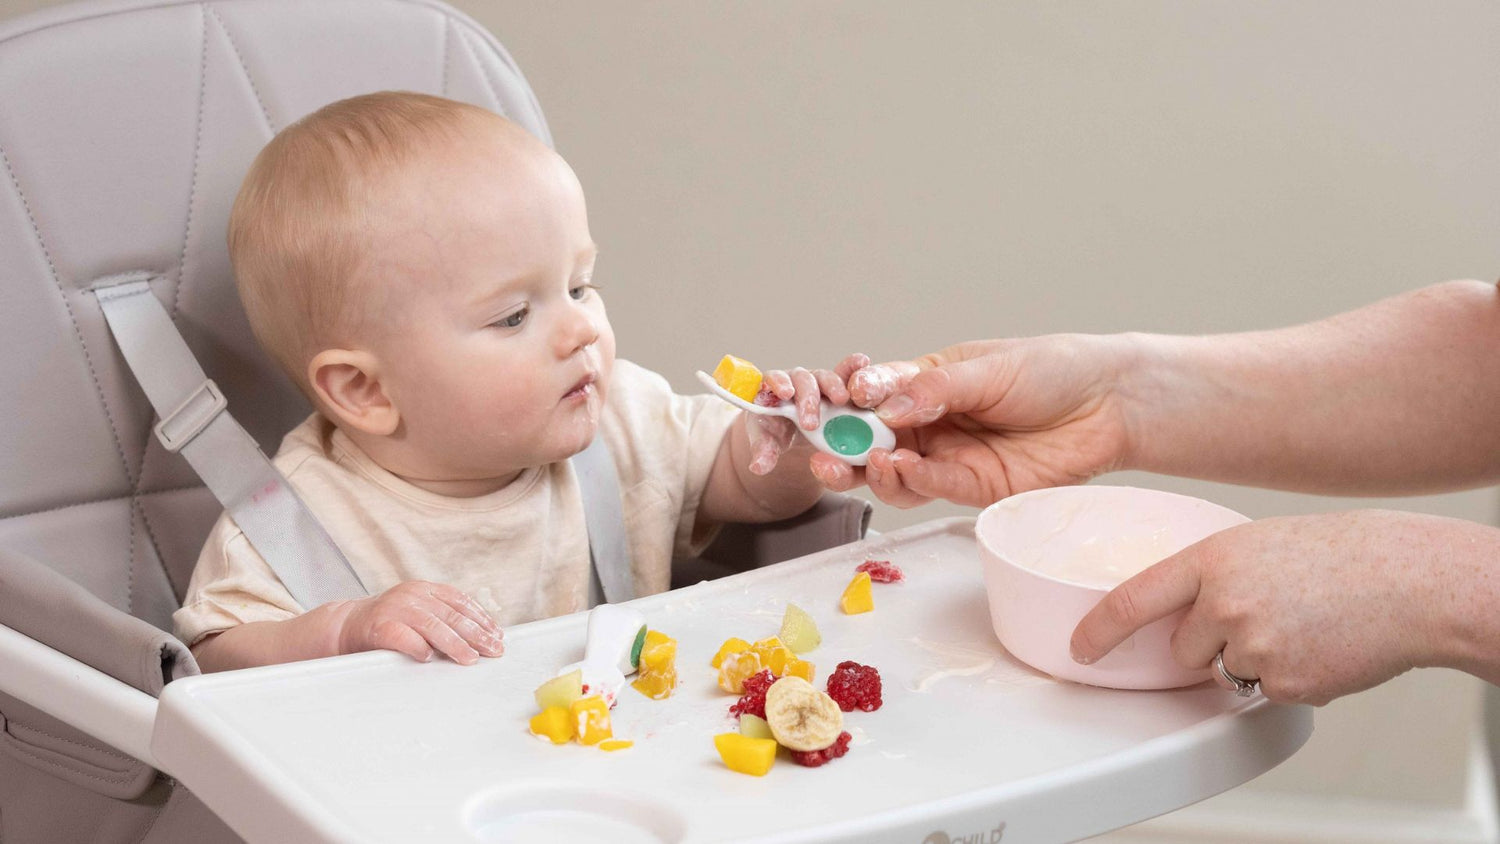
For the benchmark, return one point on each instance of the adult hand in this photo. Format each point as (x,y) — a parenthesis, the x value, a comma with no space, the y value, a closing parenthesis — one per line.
(984,420)
(416,618)
(1315,607)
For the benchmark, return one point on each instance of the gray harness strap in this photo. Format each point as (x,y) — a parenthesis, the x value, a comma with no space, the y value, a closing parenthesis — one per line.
(612,579)
(195,424)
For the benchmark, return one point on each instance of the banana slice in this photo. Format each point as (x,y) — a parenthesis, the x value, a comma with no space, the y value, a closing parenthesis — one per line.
(801,717)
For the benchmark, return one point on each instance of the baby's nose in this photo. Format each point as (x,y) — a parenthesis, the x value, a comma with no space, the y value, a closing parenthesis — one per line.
(579,331)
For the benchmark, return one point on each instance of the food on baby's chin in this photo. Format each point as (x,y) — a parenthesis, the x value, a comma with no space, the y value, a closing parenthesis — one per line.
(615,744)
(798,630)
(591,720)
(801,716)
(881,571)
(560,691)
(744,754)
(857,597)
(658,666)
(853,686)
(739,377)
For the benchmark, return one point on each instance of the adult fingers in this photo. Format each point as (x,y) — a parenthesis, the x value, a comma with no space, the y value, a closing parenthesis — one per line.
(933,478)
(851,364)
(872,385)
(1197,640)
(1153,594)
(959,387)
(883,479)
(1238,663)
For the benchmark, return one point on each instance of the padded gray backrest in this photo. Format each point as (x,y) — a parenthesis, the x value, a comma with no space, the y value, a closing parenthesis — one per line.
(125,129)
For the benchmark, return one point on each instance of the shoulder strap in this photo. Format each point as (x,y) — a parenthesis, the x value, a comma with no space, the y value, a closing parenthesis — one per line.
(194,423)
(604,514)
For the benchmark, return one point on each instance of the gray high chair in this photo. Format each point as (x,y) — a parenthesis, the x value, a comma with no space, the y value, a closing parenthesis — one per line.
(125,128)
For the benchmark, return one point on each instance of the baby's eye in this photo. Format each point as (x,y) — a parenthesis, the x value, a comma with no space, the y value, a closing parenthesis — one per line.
(512,320)
(581,291)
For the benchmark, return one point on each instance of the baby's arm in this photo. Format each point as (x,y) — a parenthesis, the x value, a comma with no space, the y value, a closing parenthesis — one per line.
(416,618)
(763,473)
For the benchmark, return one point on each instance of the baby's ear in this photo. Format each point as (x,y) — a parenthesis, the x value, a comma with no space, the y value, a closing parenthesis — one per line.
(348,385)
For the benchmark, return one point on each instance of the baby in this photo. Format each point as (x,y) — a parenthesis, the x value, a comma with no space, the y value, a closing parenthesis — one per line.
(423,270)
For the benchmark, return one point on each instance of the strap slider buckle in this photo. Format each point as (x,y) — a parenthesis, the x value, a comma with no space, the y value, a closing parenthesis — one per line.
(188,420)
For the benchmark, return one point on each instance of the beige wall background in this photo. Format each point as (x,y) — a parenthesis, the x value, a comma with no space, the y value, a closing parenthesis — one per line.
(792,181)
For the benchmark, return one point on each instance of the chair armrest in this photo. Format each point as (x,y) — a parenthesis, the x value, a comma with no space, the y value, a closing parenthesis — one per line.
(40,603)
(78,680)
(836,519)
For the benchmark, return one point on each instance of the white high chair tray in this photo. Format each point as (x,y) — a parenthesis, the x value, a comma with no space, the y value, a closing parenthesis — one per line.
(970,744)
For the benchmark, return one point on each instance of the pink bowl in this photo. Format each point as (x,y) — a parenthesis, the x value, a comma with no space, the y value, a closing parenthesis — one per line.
(1049,530)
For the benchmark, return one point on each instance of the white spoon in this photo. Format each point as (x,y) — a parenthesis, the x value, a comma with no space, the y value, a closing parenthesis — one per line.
(613,650)
(847,433)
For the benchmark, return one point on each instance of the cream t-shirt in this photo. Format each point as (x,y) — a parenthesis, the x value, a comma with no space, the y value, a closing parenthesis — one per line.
(521,552)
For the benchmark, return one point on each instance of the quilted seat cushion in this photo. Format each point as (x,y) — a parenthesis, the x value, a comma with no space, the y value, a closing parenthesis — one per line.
(125,129)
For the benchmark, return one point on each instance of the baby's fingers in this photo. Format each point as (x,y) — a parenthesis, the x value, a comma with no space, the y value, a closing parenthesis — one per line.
(835,473)
(392,635)
(831,386)
(769,436)
(462,603)
(808,396)
(439,625)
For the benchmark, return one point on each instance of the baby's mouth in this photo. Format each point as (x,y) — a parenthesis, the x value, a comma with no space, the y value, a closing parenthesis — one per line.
(584,386)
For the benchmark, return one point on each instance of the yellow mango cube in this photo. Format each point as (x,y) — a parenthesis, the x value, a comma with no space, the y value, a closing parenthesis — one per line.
(554,722)
(591,719)
(736,668)
(658,684)
(655,657)
(732,645)
(796,667)
(773,654)
(615,744)
(745,754)
(857,598)
(739,377)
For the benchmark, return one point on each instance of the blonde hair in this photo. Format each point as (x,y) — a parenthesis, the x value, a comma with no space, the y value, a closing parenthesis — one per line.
(302,220)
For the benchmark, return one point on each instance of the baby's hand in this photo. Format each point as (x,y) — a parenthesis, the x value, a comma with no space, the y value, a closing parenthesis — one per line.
(416,618)
(773,436)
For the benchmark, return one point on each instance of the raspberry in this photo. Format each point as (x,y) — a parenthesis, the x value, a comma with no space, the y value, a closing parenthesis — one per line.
(881,571)
(753,701)
(766,398)
(853,686)
(814,758)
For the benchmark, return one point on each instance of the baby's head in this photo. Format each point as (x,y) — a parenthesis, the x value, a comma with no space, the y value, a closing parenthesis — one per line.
(422,269)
